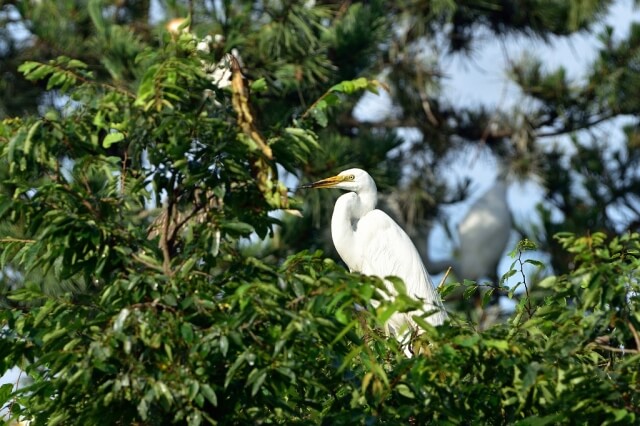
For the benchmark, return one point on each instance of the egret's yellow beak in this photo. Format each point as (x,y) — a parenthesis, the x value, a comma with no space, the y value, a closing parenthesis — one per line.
(325,183)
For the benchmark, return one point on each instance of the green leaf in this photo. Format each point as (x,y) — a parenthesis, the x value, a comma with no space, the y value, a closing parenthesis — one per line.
(29,292)
(259,85)
(320,115)
(111,138)
(237,227)
(342,316)
(548,282)
(469,291)
(535,263)
(224,345)
(404,390)
(258,379)
(486,297)
(351,86)
(5,393)
(28,66)
(234,367)
(28,142)
(43,312)
(467,341)
(54,334)
(209,394)
(187,332)
(194,388)
(502,345)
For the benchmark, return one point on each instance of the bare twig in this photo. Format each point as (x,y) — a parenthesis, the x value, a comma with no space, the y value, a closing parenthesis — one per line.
(13,400)
(313,105)
(16,240)
(349,121)
(295,301)
(636,338)
(344,7)
(585,125)
(181,221)
(617,350)
(530,310)
(164,239)
(165,242)
(426,107)
(424,99)
(123,173)
(444,278)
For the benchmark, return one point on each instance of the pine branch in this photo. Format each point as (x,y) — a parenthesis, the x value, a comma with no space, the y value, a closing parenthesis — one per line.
(581,126)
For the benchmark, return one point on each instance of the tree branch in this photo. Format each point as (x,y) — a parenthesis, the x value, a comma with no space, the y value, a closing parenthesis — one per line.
(581,126)
(165,241)
(617,350)
(16,240)
(636,338)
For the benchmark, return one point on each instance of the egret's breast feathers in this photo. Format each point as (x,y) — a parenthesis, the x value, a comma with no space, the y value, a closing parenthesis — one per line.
(388,250)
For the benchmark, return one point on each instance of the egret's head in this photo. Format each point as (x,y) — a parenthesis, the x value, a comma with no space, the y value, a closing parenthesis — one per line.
(355,180)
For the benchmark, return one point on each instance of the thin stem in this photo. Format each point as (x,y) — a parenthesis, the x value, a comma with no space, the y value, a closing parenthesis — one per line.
(444,278)
(16,240)
(165,241)
(618,350)
(585,125)
(636,338)
(123,173)
(530,310)
(13,400)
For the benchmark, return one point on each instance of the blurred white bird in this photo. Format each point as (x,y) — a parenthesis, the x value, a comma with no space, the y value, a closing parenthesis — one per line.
(483,235)
(370,242)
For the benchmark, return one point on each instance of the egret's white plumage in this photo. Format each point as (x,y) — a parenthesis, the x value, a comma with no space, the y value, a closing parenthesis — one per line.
(370,242)
(483,234)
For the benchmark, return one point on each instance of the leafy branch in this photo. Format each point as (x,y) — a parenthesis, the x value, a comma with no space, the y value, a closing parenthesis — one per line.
(318,110)
(64,73)
(522,247)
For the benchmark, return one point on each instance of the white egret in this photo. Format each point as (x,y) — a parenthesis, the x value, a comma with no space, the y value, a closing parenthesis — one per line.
(483,235)
(370,242)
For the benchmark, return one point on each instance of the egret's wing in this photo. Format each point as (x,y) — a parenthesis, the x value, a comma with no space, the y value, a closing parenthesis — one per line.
(388,250)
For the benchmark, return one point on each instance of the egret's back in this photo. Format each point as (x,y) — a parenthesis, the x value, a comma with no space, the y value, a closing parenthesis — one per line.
(482,234)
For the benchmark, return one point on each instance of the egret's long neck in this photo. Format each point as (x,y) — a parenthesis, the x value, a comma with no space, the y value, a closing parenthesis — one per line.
(348,210)
(367,200)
